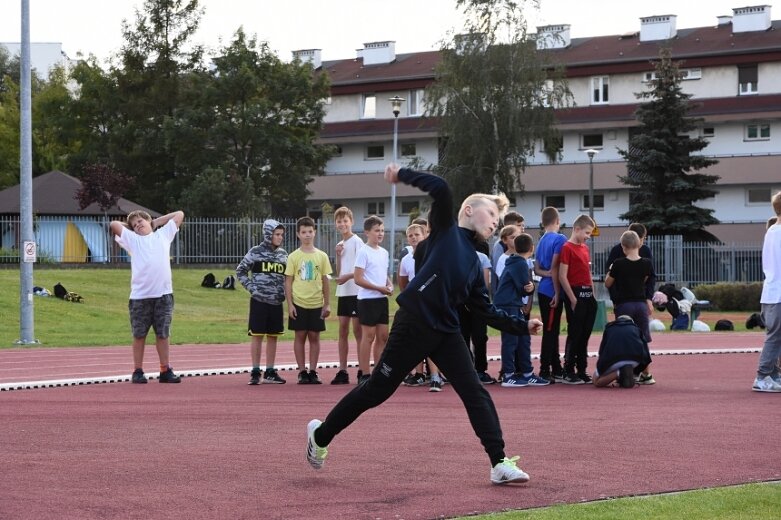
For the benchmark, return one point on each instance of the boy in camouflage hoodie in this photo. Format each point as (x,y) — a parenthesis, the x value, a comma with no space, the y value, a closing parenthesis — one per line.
(262,273)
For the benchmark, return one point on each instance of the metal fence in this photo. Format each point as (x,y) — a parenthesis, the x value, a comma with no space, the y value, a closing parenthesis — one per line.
(226,241)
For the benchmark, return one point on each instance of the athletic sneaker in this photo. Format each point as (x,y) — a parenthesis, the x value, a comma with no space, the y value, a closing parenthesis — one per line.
(776,377)
(315,455)
(508,471)
(138,377)
(485,378)
(303,377)
(766,384)
(515,380)
(558,376)
(271,377)
(364,377)
(533,380)
(416,379)
(314,379)
(254,377)
(169,377)
(572,379)
(435,386)
(587,378)
(645,379)
(341,378)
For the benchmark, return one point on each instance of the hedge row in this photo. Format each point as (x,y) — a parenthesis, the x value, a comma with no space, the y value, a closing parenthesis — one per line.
(731,296)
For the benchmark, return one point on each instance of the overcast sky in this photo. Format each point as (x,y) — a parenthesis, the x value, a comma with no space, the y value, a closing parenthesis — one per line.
(338,27)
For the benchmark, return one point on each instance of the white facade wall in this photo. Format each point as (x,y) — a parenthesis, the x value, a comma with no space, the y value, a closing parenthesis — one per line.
(353,158)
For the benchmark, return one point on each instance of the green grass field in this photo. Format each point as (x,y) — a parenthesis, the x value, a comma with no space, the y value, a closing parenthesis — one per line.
(201,315)
(748,502)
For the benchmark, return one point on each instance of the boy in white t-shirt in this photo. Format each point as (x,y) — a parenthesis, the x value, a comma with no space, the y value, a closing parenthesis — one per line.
(374,287)
(346,290)
(151,291)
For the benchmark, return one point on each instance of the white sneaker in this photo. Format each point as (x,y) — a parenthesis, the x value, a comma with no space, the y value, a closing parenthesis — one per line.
(766,384)
(507,471)
(315,455)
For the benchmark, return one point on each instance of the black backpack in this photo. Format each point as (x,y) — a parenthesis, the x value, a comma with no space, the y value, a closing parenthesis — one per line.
(229,282)
(724,325)
(60,291)
(755,320)
(210,281)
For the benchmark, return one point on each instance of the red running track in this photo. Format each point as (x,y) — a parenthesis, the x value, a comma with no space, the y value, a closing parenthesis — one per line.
(42,364)
(213,447)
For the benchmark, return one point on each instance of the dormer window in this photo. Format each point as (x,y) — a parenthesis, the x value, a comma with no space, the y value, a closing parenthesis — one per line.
(748,80)
(600,86)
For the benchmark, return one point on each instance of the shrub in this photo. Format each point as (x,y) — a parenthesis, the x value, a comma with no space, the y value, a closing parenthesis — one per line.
(731,296)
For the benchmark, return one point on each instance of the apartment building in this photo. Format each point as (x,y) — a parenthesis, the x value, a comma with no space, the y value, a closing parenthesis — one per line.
(731,68)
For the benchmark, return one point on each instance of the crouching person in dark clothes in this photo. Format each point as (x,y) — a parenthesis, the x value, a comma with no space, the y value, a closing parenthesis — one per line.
(623,354)
(426,324)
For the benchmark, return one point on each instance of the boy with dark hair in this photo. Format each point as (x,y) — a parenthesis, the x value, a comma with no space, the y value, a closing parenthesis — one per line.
(374,287)
(426,324)
(514,284)
(627,277)
(346,290)
(266,285)
(580,304)
(151,289)
(546,266)
(307,294)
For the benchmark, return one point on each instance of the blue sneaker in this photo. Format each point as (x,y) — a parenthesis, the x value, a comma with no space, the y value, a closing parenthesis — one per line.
(533,380)
(515,380)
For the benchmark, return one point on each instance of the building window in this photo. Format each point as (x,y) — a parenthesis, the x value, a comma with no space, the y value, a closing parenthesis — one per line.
(708,131)
(557,201)
(600,90)
(337,150)
(408,150)
(415,105)
(758,195)
(375,151)
(408,206)
(590,141)
(683,74)
(757,132)
(748,80)
(369,106)
(376,208)
(599,202)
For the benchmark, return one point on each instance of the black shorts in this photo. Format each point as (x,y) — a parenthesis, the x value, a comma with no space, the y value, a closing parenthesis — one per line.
(307,319)
(151,312)
(373,311)
(347,306)
(265,318)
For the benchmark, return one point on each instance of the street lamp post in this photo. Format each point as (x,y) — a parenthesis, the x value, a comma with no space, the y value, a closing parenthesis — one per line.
(396,102)
(591,153)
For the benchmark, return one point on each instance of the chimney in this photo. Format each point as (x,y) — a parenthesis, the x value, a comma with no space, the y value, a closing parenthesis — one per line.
(378,53)
(313,56)
(724,19)
(553,36)
(748,19)
(661,27)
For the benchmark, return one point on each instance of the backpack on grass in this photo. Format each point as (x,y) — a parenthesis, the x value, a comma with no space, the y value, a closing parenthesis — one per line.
(210,281)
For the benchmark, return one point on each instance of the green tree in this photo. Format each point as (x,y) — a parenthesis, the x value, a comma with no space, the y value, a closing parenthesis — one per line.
(495,94)
(258,117)
(662,162)
(9,133)
(155,55)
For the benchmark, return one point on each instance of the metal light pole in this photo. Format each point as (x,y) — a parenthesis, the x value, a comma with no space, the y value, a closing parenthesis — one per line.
(396,102)
(591,153)
(27,246)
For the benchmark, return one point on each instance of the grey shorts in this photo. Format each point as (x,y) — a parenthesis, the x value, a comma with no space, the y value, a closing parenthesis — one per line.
(151,312)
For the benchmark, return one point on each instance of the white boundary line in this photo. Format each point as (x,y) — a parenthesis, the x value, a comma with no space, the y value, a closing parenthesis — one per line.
(57,383)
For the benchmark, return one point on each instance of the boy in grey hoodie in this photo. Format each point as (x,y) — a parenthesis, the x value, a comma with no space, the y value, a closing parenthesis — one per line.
(262,273)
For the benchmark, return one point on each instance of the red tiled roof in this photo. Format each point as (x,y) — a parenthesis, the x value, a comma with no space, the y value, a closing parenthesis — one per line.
(379,127)
(53,194)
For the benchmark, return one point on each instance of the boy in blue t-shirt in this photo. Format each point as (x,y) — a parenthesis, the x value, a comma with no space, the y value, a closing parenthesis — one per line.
(546,266)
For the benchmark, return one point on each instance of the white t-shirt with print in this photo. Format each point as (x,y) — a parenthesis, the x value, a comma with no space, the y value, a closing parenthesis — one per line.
(374,263)
(150,262)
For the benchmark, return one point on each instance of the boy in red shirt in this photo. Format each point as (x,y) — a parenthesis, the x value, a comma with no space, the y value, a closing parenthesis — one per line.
(580,305)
